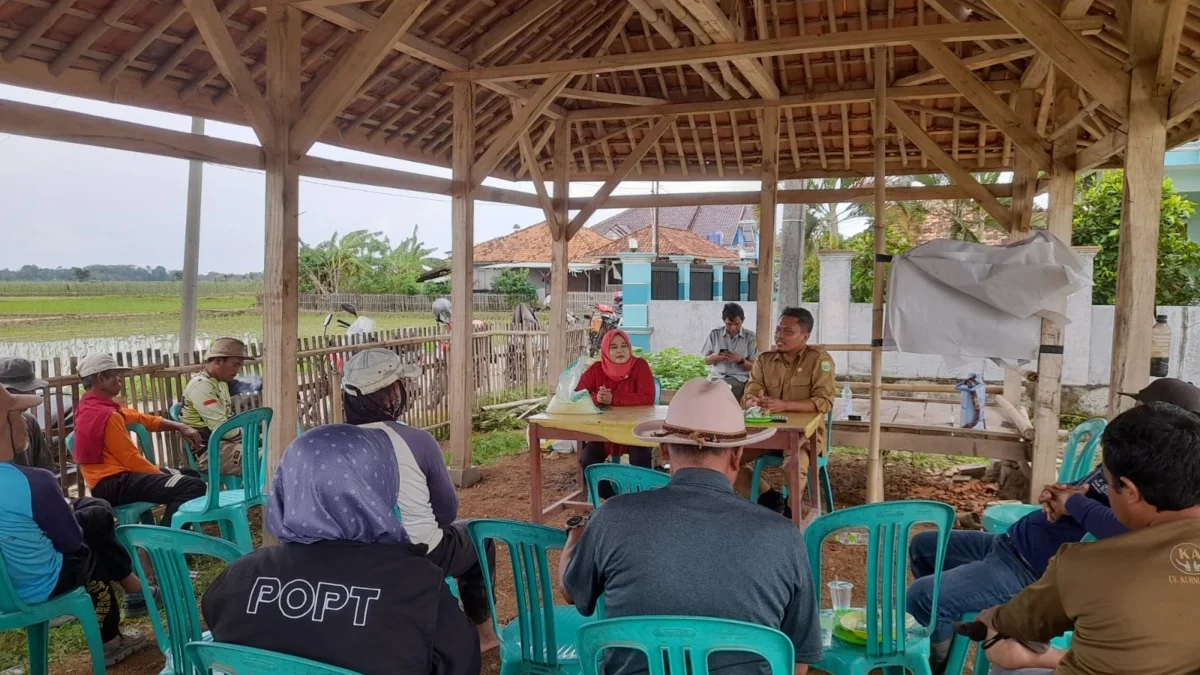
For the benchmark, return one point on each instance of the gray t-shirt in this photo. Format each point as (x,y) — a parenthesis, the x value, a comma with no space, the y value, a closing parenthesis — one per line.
(743,344)
(695,548)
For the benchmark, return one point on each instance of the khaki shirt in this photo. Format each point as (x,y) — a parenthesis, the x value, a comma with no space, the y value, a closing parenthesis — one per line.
(1132,600)
(207,404)
(807,376)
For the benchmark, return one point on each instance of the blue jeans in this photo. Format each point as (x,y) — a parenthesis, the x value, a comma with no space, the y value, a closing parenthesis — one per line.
(981,570)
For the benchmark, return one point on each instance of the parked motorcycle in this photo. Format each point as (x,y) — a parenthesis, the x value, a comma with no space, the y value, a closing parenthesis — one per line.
(603,319)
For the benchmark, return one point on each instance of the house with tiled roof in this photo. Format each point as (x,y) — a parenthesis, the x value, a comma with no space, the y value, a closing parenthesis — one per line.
(731,227)
(529,249)
(671,242)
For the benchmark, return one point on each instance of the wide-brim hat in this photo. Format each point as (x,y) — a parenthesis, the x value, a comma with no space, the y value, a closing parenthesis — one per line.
(18,375)
(94,364)
(226,348)
(702,413)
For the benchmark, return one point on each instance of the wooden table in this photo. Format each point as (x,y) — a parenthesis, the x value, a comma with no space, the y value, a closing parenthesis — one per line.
(615,425)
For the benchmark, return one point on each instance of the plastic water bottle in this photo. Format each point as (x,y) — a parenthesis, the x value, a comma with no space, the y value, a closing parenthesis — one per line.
(847,402)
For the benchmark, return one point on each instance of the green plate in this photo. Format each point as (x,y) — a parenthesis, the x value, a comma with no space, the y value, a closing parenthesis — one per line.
(848,636)
(759,420)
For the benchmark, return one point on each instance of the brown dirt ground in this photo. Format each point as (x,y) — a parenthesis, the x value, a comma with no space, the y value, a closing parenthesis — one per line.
(504,493)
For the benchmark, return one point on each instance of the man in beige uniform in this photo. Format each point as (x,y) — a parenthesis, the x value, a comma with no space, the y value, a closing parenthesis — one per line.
(207,403)
(793,377)
(1133,600)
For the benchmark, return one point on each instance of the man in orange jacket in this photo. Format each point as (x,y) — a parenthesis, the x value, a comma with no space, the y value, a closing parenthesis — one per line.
(112,466)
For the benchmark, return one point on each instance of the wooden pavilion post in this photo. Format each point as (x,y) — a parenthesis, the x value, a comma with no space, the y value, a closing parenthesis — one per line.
(879,232)
(766,229)
(281,298)
(559,269)
(462,344)
(1048,395)
(191,252)
(1137,261)
(1024,183)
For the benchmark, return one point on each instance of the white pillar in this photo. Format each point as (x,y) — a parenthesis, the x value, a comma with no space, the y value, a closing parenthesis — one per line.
(1077,336)
(834,326)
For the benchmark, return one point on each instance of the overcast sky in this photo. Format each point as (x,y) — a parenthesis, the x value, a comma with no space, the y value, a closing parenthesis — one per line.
(74,205)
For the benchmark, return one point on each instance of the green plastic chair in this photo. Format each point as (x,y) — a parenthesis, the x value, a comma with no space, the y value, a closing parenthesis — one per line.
(16,614)
(230,659)
(227,482)
(168,550)
(134,512)
(889,525)
(686,642)
(542,638)
(230,508)
(1078,459)
(623,478)
(775,461)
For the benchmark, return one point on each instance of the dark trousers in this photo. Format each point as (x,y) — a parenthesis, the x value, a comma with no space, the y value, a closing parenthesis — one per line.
(171,487)
(594,452)
(97,564)
(457,557)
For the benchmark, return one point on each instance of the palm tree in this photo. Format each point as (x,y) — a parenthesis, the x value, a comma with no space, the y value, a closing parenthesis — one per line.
(967,219)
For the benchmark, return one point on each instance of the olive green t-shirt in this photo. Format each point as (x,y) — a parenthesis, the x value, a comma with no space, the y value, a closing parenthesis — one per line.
(1132,600)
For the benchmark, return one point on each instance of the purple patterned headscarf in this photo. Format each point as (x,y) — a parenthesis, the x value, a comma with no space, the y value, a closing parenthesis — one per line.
(337,482)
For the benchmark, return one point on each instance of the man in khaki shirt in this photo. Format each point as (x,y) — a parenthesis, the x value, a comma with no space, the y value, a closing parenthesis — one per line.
(1133,600)
(793,377)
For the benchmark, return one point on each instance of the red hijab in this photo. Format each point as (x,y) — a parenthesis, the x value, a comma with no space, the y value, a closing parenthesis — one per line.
(615,371)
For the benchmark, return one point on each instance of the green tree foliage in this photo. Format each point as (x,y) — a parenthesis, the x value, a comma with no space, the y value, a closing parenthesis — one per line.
(514,281)
(862,266)
(1098,223)
(365,262)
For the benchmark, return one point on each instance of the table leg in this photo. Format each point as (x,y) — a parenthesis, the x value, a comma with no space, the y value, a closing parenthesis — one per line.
(814,475)
(793,442)
(535,471)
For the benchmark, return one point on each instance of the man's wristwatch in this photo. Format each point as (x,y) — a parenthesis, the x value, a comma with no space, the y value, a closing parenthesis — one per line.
(577,522)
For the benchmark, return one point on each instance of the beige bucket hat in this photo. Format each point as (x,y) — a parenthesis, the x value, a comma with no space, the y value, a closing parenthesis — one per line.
(703,413)
(226,348)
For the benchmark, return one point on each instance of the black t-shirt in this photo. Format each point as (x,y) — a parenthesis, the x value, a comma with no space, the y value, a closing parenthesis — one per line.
(377,609)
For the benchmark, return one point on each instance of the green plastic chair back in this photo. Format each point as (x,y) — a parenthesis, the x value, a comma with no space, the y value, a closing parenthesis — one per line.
(16,614)
(133,512)
(765,461)
(538,639)
(623,478)
(254,425)
(167,550)
(685,643)
(889,526)
(657,391)
(238,660)
(176,413)
(1077,461)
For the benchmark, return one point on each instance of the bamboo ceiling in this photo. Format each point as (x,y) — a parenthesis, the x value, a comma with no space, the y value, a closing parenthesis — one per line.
(148,53)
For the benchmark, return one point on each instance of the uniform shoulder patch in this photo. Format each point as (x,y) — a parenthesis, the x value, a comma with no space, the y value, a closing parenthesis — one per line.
(826,366)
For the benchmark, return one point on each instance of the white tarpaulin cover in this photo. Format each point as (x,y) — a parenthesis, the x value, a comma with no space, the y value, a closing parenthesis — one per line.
(966,300)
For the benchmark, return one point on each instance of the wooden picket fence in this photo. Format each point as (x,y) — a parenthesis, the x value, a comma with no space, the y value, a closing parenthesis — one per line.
(577,301)
(509,361)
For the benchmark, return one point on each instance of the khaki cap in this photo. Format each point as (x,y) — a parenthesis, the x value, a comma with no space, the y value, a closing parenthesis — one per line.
(226,347)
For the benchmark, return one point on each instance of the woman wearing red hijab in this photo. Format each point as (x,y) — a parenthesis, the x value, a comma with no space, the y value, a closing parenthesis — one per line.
(619,378)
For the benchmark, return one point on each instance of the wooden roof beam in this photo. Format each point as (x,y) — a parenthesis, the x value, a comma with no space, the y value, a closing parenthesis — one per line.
(804,44)
(627,164)
(89,36)
(994,108)
(1068,51)
(353,68)
(951,168)
(541,99)
(212,27)
(974,62)
(1184,101)
(507,28)
(721,30)
(844,96)
(799,196)
(30,35)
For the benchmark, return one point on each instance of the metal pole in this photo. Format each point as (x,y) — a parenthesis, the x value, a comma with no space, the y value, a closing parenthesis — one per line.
(191,252)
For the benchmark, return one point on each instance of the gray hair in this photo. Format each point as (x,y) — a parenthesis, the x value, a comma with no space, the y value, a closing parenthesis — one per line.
(88,380)
(694,450)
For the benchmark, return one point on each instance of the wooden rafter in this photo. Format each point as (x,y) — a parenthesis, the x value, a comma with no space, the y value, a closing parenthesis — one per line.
(948,166)
(763,48)
(1068,51)
(1184,101)
(224,52)
(718,27)
(541,99)
(351,70)
(1023,135)
(27,37)
(505,29)
(89,36)
(626,167)
(974,62)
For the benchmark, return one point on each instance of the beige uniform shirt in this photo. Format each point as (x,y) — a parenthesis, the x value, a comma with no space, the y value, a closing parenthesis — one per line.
(1132,600)
(807,376)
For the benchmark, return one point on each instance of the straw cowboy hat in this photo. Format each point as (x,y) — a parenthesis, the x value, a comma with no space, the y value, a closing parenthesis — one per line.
(12,427)
(226,347)
(703,413)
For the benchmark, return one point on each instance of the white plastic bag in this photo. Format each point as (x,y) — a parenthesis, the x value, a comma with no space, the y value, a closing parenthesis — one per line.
(568,401)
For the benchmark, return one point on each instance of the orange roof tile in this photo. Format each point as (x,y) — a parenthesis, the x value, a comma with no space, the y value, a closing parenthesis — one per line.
(532,245)
(670,242)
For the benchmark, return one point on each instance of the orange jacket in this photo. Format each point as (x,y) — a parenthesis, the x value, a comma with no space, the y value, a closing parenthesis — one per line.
(121,453)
